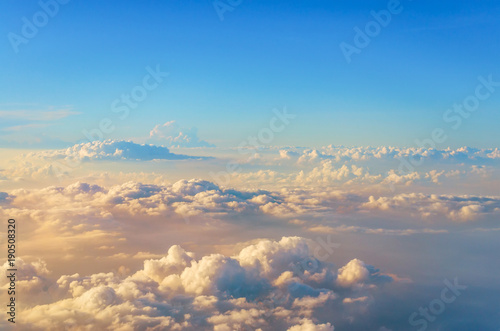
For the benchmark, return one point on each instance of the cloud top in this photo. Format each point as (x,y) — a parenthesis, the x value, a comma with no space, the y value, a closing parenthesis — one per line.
(170,134)
(266,286)
(113,150)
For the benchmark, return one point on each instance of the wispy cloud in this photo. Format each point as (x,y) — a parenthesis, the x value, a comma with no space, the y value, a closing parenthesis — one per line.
(36,115)
(17,128)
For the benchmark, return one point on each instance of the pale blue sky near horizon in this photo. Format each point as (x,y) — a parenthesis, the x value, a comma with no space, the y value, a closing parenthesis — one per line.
(225,77)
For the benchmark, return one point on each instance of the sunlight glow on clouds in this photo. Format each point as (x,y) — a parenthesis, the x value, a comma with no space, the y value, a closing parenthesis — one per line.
(261,287)
(267,184)
(112,150)
(108,221)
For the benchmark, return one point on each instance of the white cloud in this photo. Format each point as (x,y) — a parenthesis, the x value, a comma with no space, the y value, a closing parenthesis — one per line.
(171,134)
(36,115)
(198,197)
(358,229)
(461,208)
(308,325)
(340,154)
(111,150)
(216,292)
(353,273)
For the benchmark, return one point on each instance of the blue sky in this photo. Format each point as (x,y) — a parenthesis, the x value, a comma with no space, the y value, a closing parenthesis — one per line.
(225,77)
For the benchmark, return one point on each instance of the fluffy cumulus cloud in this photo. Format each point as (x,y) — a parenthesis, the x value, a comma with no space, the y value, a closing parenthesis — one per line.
(365,168)
(308,325)
(120,224)
(32,280)
(461,208)
(46,165)
(111,150)
(171,134)
(401,159)
(361,230)
(269,285)
(364,171)
(123,223)
(408,155)
(185,198)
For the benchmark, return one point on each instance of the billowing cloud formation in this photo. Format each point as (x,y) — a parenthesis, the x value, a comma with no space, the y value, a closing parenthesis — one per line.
(195,197)
(463,208)
(128,220)
(359,229)
(111,150)
(268,285)
(368,169)
(171,134)
(412,154)
(271,285)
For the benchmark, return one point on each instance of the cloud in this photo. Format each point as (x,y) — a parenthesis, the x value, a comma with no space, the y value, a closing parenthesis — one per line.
(32,280)
(341,154)
(181,292)
(25,126)
(358,229)
(171,134)
(325,173)
(187,198)
(308,325)
(111,150)
(353,273)
(461,208)
(36,115)
(365,169)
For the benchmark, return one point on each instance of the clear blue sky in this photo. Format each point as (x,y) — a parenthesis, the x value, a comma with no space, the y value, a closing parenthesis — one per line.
(226,76)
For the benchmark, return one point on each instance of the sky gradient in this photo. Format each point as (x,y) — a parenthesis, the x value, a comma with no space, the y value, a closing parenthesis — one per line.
(228,75)
(251,165)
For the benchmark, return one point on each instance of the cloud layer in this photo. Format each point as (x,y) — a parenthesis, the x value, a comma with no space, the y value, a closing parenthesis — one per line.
(111,150)
(110,222)
(269,285)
